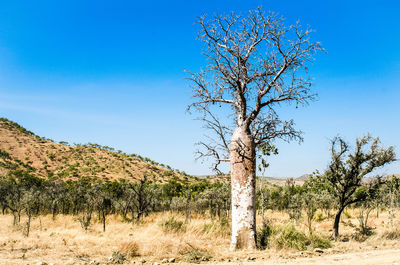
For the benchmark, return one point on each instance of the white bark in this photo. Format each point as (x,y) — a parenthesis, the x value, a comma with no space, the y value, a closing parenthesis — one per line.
(243,180)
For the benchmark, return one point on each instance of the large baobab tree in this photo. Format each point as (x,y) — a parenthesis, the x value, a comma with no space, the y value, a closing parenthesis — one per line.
(255,64)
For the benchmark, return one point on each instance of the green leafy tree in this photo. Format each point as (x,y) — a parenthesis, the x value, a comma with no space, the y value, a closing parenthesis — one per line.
(292,199)
(319,185)
(347,169)
(310,205)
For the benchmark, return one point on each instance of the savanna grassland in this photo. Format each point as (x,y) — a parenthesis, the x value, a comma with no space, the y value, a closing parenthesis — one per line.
(90,204)
(156,237)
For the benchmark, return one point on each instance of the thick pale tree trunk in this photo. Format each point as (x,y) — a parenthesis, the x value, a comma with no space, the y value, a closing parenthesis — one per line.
(243,180)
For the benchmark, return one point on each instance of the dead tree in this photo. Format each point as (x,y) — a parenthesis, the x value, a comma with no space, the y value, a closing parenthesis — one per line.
(255,64)
(141,198)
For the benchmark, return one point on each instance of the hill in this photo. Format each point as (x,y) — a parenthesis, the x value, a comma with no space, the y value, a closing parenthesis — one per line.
(22,149)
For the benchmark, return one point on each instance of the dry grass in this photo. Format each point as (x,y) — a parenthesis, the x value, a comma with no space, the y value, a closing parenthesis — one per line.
(63,241)
(130,249)
(69,162)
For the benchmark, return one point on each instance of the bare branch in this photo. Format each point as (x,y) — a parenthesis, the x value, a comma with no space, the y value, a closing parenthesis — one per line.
(255,63)
(216,148)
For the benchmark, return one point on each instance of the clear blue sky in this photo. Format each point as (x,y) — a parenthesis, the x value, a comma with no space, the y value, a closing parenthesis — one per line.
(111,72)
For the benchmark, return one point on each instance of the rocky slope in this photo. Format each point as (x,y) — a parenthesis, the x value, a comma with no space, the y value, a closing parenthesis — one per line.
(22,149)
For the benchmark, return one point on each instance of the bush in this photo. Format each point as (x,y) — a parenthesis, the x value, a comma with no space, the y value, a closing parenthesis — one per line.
(364,232)
(319,217)
(263,235)
(392,234)
(193,254)
(85,220)
(320,242)
(173,225)
(289,237)
(222,228)
(118,257)
(130,249)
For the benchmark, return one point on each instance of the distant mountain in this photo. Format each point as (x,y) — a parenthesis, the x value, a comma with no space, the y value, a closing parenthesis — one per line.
(22,149)
(304,177)
(279,181)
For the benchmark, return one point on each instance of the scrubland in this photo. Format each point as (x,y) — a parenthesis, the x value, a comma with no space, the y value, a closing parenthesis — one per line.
(167,235)
(59,209)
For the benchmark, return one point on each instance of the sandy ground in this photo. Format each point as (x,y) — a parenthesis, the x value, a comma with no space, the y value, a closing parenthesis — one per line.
(390,256)
(63,241)
(386,256)
(379,256)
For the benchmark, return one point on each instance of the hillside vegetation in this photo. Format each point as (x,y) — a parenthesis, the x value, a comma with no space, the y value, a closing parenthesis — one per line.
(22,149)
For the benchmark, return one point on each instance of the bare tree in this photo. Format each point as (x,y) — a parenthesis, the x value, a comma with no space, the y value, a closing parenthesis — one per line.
(255,63)
(140,196)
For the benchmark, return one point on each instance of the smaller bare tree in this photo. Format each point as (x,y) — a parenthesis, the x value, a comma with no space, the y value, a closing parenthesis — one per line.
(140,198)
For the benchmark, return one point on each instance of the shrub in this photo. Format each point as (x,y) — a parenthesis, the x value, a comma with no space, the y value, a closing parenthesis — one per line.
(193,254)
(173,225)
(319,216)
(130,249)
(263,235)
(392,234)
(85,220)
(363,232)
(222,228)
(118,257)
(320,242)
(289,237)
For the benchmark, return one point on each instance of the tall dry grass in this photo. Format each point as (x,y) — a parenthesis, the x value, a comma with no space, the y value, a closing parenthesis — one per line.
(167,235)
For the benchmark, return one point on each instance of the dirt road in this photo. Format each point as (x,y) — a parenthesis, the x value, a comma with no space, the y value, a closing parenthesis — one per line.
(370,257)
(386,256)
